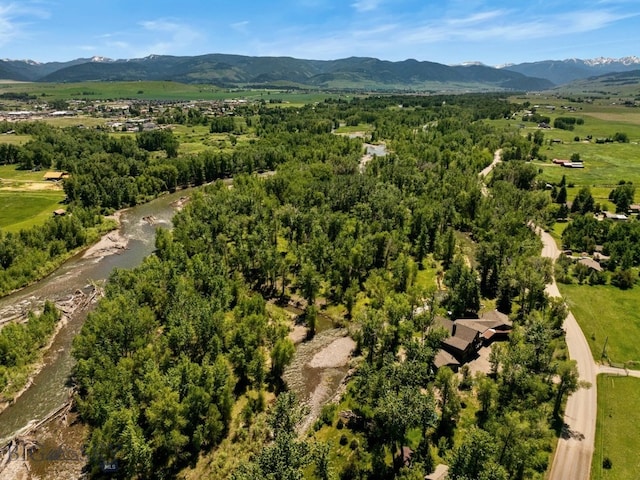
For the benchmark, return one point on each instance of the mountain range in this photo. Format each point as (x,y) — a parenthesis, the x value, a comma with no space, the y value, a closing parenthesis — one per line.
(561,72)
(354,72)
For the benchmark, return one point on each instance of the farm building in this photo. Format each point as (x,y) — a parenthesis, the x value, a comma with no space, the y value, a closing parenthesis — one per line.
(55,176)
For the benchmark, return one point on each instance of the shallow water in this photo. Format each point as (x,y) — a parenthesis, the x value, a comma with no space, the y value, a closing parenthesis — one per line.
(50,388)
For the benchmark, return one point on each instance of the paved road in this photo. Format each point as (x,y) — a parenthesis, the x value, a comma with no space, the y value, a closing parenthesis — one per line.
(575,447)
(606,370)
(572,460)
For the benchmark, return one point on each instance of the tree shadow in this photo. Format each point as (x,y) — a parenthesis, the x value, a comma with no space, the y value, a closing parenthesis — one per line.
(568,433)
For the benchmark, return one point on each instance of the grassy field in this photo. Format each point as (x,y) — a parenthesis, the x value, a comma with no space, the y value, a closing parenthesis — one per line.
(605,164)
(603,312)
(26,199)
(11,173)
(14,139)
(159,90)
(617,429)
(25,209)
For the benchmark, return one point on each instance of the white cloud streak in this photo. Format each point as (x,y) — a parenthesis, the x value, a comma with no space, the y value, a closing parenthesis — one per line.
(365,5)
(15,19)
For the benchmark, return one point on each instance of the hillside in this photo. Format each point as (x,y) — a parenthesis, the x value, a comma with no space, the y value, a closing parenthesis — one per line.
(623,84)
(238,70)
(565,71)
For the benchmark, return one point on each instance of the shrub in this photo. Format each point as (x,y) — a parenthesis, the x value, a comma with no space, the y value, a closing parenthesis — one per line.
(343,439)
(327,413)
(606,463)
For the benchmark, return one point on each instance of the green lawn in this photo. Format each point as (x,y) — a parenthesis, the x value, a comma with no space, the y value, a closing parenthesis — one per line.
(25,209)
(14,139)
(617,429)
(603,312)
(10,172)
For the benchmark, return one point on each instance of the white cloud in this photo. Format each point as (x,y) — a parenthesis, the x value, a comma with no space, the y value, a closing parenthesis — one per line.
(241,26)
(477,18)
(365,5)
(15,20)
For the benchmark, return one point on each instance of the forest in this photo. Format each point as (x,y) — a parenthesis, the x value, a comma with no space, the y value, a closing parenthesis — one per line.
(179,342)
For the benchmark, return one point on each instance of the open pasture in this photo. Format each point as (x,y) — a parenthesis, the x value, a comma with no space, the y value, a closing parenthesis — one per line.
(608,315)
(25,209)
(163,90)
(617,429)
(26,198)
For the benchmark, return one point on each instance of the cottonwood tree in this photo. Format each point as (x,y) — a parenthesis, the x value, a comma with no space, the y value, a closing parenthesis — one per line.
(568,382)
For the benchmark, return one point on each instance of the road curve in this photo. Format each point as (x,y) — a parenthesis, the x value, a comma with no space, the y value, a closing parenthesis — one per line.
(574,452)
(496,159)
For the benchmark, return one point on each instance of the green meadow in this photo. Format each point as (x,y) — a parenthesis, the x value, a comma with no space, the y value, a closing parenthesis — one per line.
(26,199)
(605,164)
(25,209)
(617,429)
(164,90)
(607,314)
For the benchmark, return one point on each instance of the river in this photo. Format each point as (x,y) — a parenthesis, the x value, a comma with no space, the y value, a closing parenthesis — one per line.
(50,386)
(314,384)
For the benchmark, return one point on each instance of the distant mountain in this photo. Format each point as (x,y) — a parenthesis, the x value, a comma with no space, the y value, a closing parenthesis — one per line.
(565,71)
(239,70)
(30,71)
(624,84)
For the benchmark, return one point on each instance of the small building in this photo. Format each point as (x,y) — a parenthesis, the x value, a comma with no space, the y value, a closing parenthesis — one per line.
(463,343)
(468,335)
(573,165)
(445,359)
(591,263)
(634,208)
(60,212)
(616,216)
(55,176)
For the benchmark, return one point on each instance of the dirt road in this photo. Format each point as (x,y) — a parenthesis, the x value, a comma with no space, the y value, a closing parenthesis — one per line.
(575,447)
(496,160)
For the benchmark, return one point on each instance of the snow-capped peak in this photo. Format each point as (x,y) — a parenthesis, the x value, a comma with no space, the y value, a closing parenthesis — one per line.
(593,62)
(600,61)
(27,61)
(98,59)
(472,64)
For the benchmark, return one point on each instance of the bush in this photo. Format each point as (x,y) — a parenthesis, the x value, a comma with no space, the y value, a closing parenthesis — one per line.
(606,463)
(343,439)
(327,413)
(623,279)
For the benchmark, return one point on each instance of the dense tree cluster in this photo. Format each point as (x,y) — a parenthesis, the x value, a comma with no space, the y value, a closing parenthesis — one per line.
(619,241)
(567,123)
(176,341)
(20,343)
(31,253)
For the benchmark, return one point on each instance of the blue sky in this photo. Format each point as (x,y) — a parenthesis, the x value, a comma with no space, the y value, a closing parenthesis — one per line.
(444,31)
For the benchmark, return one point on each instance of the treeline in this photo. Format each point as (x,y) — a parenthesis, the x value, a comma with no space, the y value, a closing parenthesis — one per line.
(32,253)
(619,241)
(567,123)
(19,346)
